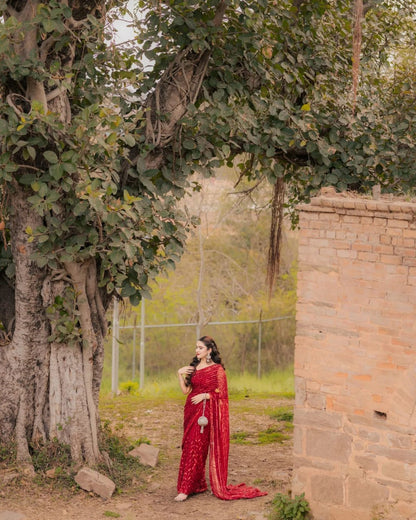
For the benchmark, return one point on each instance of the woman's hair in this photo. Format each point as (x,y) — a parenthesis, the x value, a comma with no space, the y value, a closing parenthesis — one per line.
(215,356)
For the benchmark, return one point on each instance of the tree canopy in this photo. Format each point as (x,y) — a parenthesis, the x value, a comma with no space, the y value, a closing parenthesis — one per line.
(276,94)
(100,140)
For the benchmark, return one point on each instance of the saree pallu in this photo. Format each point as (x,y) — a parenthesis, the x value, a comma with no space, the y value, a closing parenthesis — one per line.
(214,438)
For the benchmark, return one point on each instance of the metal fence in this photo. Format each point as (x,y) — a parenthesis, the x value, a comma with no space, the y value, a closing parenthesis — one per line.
(142,327)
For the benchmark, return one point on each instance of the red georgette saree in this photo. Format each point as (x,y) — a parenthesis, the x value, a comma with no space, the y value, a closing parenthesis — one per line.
(214,438)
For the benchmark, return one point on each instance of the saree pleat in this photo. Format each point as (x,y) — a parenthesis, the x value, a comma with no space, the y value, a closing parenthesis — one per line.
(214,438)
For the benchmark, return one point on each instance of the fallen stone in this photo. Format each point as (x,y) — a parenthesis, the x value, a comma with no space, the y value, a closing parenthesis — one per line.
(91,480)
(148,455)
(12,515)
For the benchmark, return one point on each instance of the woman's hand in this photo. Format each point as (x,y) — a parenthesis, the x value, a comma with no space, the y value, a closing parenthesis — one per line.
(185,370)
(198,398)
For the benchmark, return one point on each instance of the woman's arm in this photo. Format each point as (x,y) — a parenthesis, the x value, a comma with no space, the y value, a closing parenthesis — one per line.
(199,398)
(182,373)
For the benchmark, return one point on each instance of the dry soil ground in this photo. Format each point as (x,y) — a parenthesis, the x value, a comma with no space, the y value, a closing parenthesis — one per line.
(267,466)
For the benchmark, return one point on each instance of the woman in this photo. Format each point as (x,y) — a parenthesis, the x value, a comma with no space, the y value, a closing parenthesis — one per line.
(205,384)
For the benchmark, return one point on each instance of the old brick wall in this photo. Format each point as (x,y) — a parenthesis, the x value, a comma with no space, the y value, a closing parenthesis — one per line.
(355,359)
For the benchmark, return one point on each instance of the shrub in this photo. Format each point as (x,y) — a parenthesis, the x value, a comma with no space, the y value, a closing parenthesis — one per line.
(286,508)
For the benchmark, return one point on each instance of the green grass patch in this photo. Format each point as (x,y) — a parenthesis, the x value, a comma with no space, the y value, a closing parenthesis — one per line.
(271,435)
(279,383)
(268,436)
(282,414)
(240,438)
(111,514)
(240,386)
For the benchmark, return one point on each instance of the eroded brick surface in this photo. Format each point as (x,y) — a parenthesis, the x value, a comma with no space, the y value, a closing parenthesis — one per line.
(355,358)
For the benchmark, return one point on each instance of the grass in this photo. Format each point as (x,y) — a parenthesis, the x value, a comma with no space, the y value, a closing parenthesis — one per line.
(283,413)
(279,433)
(271,435)
(240,386)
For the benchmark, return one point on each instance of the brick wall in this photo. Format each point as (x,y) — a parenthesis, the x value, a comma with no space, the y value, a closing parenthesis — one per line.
(355,359)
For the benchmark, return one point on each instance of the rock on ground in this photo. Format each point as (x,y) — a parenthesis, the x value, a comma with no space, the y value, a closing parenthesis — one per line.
(147,454)
(91,480)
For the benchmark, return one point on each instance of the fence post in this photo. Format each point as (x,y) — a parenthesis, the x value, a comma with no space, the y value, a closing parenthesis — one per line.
(115,349)
(142,344)
(259,349)
(133,362)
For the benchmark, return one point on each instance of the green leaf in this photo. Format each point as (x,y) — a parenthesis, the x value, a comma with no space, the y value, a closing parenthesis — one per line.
(129,140)
(50,156)
(56,171)
(188,144)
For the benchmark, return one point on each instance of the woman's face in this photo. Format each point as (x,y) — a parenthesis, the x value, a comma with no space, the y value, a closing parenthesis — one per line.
(201,350)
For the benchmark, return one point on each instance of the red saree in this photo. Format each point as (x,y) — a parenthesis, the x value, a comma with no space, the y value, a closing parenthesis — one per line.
(215,438)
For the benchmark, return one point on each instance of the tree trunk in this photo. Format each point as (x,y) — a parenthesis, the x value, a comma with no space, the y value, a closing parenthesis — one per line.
(49,389)
(25,361)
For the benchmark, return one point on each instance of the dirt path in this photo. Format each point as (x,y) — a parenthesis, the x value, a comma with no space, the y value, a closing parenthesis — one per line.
(266,466)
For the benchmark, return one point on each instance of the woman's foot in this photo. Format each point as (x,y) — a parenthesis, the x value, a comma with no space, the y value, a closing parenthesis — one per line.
(181,497)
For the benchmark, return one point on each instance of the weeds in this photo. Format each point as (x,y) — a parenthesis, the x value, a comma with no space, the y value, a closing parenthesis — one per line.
(263,437)
(286,508)
(271,435)
(8,453)
(130,387)
(283,414)
(124,469)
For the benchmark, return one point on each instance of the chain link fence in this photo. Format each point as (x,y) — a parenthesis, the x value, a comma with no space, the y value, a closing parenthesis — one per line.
(151,351)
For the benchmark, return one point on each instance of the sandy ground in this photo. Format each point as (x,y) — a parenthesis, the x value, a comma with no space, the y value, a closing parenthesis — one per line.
(266,466)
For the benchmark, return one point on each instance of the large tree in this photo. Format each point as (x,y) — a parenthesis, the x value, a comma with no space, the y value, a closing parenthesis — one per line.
(97,150)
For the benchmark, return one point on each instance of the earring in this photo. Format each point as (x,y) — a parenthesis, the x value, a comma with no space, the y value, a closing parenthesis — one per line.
(208,358)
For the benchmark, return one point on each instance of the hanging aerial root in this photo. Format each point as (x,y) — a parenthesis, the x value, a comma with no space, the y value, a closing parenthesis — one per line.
(356,49)
(273,259)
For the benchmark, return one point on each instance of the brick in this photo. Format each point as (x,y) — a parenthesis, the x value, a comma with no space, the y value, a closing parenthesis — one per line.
(351,219)
(328,445)
(327,490)
(390,259)
(310,418)
(409,233)
(343,253)
(368,257)
(394,454)
(400,441)
(404,251)
(316,400)
(319,242)
(384,249)
(365,494)
(360,246)
(385,239)
(398,223)
(366,463)
(398,471)
(380,221)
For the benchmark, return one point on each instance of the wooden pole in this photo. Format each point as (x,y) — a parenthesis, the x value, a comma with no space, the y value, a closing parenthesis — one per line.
(115,349)
(142,345)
